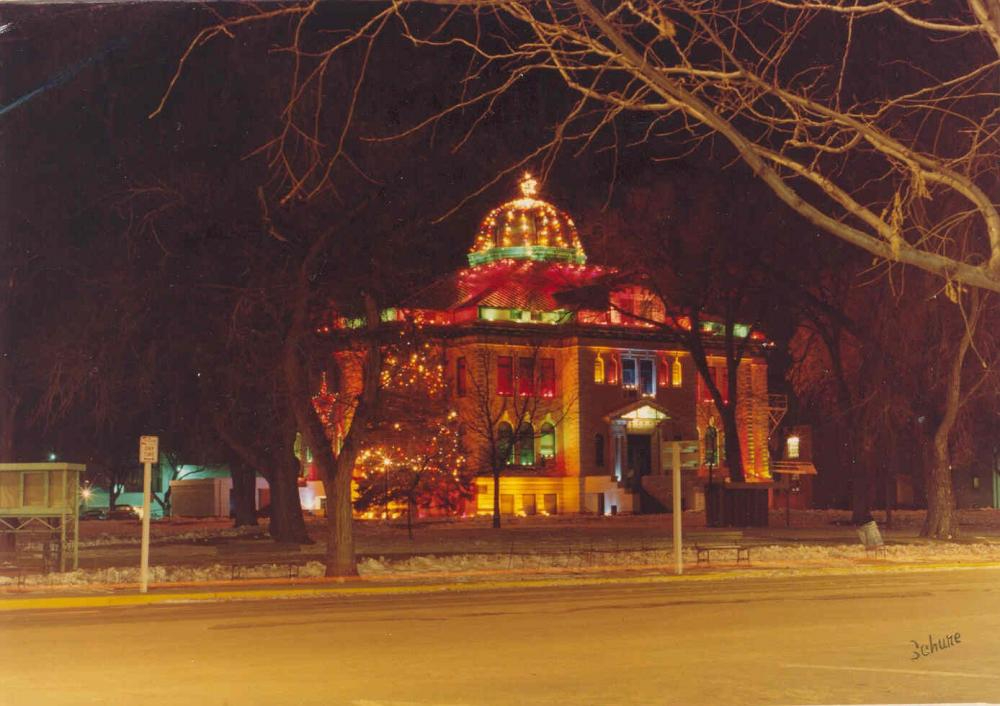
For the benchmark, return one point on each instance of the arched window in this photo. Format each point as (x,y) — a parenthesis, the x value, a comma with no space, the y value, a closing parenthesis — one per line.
(547,441)
(599,369)
(599,450)
(612,370)
(662,367)
(676,373)
(526,444)
(505,442)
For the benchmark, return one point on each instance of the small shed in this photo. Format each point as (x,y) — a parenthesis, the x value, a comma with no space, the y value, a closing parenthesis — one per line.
(43,499)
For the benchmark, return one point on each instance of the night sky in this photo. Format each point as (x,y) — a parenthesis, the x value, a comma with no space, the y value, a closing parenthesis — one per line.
(110,210)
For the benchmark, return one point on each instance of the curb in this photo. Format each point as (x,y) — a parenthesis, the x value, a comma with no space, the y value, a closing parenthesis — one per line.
(338,590)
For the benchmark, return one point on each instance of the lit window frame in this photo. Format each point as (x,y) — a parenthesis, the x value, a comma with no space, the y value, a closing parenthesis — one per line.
(505,375)
(547,377)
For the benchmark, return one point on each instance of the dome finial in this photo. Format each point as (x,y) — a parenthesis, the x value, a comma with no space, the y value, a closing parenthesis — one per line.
(529,185)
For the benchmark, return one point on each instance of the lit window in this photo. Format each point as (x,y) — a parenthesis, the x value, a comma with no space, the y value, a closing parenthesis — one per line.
(792,446)
(505,442)
(676,373)
(647,377)
(599,450)
(628,373)
(525,376)
(505,375)
(599,369)
(460,383)
(529,504)
(613,370)
(547,377)
(526,444)
(547,441)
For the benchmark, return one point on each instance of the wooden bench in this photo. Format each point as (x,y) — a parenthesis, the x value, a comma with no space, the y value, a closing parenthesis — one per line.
(242,556)
(721,541)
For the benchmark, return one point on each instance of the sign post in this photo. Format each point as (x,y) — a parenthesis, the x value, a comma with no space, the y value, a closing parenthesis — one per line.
(678,545)
(149,451)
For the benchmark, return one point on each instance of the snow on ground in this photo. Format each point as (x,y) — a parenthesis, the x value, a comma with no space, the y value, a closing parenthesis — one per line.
(476,566)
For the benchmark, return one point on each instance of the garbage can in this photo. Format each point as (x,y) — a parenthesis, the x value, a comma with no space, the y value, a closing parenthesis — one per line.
(869,535)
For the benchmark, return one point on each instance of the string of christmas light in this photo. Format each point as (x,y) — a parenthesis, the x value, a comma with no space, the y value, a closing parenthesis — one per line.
(527,226)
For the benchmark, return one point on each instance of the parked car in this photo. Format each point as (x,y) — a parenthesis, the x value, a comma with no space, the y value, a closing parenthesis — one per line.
(122,512)
(94,513)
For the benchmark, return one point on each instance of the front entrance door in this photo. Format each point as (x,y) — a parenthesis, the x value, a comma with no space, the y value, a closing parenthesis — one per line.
(639,461)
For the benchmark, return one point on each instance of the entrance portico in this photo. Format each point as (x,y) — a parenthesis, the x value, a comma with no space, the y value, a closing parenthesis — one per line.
(637,432)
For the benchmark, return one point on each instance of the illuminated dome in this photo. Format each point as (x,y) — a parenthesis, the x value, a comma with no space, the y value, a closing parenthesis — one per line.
(527,229)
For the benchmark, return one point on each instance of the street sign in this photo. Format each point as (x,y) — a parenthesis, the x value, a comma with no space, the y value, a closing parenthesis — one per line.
(149,452)
(149,449)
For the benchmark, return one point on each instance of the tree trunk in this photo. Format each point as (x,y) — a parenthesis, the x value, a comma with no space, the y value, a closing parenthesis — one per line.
(338,473)
(726,409)
(287,524)
(734,451)
(496,498)
(244,495)
(340,560)
(112,494)
(860,497)
(941,521)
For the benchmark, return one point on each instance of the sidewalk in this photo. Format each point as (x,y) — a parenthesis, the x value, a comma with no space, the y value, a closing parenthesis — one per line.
(206,558)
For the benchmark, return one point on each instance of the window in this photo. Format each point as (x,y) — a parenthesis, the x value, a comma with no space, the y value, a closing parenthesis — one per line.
(599,369)
(547,379)
(505,375)
(647,377)
(460,382)
(506,504)
(525,376)
(599,450)
(526,444)
(792,446)
(676,374)
(613,371)
(547,442)
(628,373)
(505,442)
(529,504)
(550,503)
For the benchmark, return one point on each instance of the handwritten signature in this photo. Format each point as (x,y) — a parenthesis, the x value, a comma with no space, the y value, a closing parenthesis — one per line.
(926,649)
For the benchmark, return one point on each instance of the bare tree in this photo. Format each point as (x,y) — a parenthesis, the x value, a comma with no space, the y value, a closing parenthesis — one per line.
(502,424)
(855,157)
(703,250)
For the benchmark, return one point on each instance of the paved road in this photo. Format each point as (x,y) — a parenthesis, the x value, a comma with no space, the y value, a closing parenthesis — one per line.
(817,640)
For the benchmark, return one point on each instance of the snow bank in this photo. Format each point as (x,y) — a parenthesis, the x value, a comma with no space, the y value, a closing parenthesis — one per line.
(469,566)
